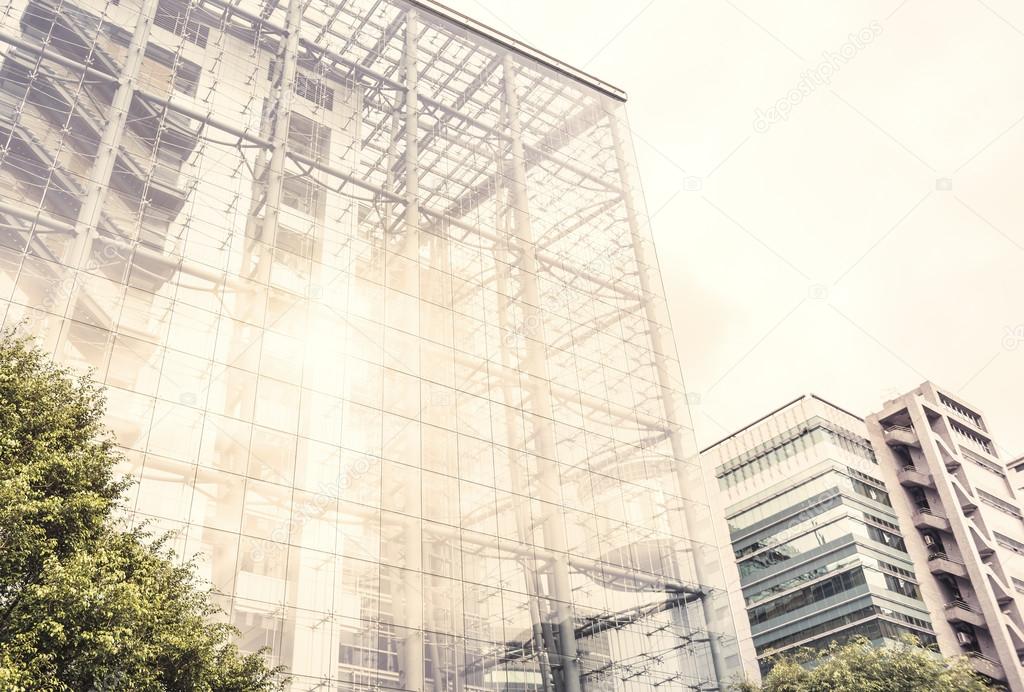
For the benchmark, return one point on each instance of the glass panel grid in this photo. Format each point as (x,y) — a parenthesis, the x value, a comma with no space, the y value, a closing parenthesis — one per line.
(383,333)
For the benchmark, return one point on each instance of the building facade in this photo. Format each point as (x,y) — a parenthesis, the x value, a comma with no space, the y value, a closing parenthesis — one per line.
(815,538)
(373,293)
(962,511)
(1016,470)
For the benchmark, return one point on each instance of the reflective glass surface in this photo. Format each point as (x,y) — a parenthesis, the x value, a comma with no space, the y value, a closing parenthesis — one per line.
(377,307)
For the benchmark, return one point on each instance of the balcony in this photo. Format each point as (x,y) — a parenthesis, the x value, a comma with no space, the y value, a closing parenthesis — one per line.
(901,436)
(961,611)
(911,476)
(986,666)
(940,563)
(925,518)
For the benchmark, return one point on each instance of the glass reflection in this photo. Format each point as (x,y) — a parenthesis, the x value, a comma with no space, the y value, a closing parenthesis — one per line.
(383,334)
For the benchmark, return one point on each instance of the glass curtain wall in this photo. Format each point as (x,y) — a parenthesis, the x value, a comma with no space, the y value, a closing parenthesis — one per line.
(818,547)
(378,311)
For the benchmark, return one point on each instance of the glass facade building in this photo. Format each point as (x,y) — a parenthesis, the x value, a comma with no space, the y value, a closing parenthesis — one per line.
(818,546)
(374,296)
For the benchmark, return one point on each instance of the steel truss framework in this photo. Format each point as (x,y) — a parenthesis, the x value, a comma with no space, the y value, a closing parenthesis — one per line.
(378,309)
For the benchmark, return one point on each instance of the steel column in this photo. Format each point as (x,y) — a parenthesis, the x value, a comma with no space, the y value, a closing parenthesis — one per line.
(410,244)
(288,64)
(412,644)
(540,393)
(110,140)
(659,349)
(179,105)
(542,636)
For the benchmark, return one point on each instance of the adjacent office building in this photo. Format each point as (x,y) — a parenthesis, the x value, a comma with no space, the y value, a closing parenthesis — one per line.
(373,293)
(906,522)
(963,522)
(814,534)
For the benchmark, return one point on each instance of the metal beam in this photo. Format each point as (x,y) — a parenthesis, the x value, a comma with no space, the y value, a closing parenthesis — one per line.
(37,218)
(547,259)
(389,33)
(474,86)
(52,56)
(552,141)
(451,215)
(544,151)
(440,15)
(542,636)
(233,9)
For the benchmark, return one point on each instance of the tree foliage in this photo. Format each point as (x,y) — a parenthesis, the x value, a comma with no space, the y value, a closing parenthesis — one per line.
(85,603)
(859,666)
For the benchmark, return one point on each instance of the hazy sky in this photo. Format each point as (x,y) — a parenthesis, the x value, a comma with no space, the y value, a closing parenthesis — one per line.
(868,241)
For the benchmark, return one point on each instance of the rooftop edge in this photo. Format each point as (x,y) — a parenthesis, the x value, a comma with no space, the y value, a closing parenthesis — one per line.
(772,413)
(518,46)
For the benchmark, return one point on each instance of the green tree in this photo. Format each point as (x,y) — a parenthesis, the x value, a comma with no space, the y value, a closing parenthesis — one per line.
(858,666)
(85,603)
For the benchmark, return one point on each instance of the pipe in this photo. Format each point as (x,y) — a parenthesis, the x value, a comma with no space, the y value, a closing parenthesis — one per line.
(184,265)
(52,56)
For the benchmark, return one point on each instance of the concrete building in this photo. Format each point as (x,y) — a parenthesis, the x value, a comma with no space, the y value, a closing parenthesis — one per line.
(907,521)
(963,524)
(373,293)
(1016,470)
(817,543)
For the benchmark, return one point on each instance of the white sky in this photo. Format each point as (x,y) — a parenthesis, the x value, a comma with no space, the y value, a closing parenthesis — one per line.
(822,255)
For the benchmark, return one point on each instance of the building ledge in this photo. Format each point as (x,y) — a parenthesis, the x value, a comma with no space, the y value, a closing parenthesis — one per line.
(940,563)
(986,666)
(960,611)
(926,519)
(910,476)
(901,436)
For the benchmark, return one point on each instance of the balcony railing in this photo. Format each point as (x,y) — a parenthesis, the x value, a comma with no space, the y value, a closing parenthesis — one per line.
(961,604)
(924,517)
(988,666)
(978,656)
(940,563)
(959,610)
